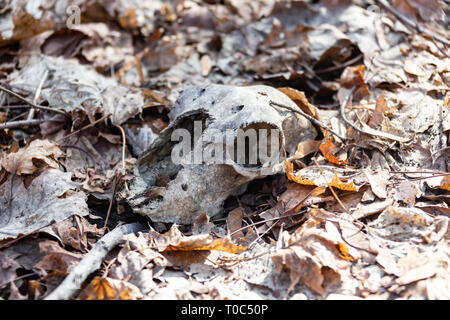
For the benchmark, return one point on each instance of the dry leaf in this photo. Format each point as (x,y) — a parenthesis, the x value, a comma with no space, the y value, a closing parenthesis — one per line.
(38,154)
(314,177)
(300,99)
(378,114)
(51,197)
(313,254)
(8,267)
(352,77)
(234,223)
(328,150)
(445,183)
(103,288)
(306,147)
(73,232)
(56,258)
(174,240)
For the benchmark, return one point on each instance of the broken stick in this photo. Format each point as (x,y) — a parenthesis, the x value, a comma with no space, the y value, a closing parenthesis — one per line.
(91,262)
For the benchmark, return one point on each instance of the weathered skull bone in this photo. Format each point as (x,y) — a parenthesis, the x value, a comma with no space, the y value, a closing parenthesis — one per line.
(223,115)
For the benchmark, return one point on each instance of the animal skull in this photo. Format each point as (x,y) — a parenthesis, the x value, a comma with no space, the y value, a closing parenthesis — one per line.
(226,129)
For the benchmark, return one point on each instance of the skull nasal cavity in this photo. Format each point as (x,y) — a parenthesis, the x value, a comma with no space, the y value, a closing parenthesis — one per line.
(256,144)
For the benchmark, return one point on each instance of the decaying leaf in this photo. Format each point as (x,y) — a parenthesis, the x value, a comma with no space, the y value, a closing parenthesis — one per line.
(306,147)
(73,232)
(326,177)
(39,154)
(56,259)
(300,99)
(315,254)
(51,197)
(174,240)
(75,87)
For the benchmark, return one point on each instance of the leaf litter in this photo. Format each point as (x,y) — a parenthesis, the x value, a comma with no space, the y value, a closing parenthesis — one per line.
(359,212)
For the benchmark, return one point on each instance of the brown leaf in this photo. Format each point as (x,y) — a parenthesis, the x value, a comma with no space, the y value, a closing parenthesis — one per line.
(174,240)
(37,155)
(352,77)
(234,222)
(314,255)
(56,258)
(300,99)
(73,232)
(296,178)
(306,147)
(378,114)
(426,9)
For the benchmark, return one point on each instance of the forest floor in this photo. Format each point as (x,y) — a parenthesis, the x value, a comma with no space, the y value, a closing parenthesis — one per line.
(360,211)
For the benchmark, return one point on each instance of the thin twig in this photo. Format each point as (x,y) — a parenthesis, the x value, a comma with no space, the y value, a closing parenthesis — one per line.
(411,23)
(367,130)
(340,66)
(91,262)
(84,128)
(115,181)
(331,188)
(36,95)
(20,106)
(18,96)
(20,123)
(267,220)
(124,144)
(82,150)
(310,118)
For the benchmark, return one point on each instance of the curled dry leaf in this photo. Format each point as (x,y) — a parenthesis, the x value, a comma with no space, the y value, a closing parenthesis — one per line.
(312,176)
(328,150)
(302,102)
(37,155)
(306,147)
(73,232)
(174,240)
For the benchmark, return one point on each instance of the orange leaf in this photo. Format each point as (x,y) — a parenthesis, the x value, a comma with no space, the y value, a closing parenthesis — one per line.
(102,288)
(445,183)
(343,252)
(222,244)
(337,183)
(328,148)
(290,174)
(352,77)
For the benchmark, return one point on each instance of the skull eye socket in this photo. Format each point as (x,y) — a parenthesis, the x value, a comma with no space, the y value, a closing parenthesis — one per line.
(255,145)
